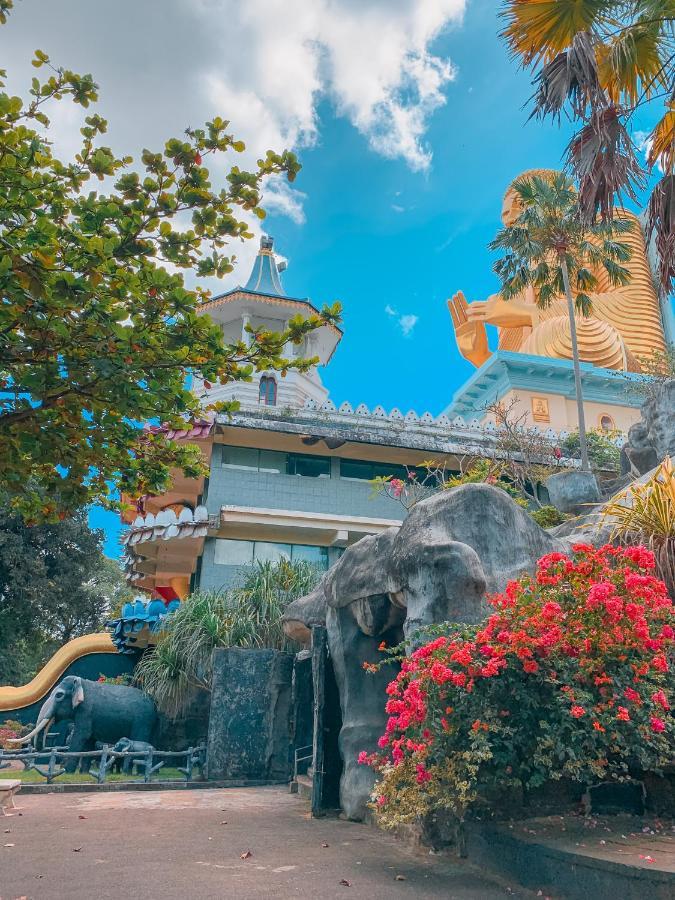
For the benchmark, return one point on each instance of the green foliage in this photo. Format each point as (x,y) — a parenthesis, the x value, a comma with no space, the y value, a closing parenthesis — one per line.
(98,332)
(549,252)
(645,512)
(116,679)
(485,471)
(548,516)
(602,451)
(246,616)
(548,236)
(55,585)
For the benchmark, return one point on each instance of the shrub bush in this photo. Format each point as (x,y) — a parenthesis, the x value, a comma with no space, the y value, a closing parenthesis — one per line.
(567,678)
(549,516)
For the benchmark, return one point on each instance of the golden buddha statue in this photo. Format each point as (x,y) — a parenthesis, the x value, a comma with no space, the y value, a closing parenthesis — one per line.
(624,325)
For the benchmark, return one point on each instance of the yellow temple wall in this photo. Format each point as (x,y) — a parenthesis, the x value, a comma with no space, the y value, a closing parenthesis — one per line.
(562,411)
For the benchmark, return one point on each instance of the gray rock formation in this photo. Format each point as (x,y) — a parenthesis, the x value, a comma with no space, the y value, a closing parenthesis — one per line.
(452,549)
(653,438)
(571,491)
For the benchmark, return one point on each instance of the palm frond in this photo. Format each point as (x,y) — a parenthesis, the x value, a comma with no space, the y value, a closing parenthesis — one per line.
(661,228)
(540,29)
(570,77)
(630,65)
(662,141)
(602,158)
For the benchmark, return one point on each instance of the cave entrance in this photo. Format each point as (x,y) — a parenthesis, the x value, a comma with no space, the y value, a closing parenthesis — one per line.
(326,762)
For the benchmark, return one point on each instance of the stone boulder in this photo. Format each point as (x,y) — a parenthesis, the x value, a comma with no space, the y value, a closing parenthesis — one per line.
(452,549)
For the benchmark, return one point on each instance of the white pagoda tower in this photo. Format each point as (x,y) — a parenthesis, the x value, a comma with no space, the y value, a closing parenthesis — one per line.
(263,304)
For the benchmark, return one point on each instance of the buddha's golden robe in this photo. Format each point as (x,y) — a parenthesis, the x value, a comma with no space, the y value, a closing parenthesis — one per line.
(624,327)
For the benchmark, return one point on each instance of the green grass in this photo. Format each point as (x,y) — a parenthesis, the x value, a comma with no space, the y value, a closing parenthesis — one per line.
(166,773)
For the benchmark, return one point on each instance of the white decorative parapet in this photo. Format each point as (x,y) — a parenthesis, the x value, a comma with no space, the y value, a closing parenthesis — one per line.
(168,524)
(427,419)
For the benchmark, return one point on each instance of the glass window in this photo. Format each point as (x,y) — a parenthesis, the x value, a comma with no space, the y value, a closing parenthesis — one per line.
(273,461)
(309,466)
(233,553)
(317,556)
(356,468)
(273,553)
(241,458)
(366,470)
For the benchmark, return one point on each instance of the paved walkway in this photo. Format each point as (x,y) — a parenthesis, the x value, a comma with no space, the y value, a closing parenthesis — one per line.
(232,843)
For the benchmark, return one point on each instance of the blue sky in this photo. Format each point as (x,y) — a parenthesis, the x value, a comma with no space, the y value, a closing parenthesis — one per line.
(409,121)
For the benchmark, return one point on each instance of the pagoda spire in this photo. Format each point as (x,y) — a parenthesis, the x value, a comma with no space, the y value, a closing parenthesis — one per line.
(265,277)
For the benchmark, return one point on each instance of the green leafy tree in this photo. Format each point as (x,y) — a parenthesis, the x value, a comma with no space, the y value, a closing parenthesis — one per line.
(600,62)
(55,585)
(603,452)
(98,332)
(549,249)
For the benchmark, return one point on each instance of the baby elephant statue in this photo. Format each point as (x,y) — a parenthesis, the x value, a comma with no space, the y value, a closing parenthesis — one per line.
(126,745)
(100,712)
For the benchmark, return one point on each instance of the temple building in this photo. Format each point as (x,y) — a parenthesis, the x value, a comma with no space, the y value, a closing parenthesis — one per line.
(532,365)
(290,474)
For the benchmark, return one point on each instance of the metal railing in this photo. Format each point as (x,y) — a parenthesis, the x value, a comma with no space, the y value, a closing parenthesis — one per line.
(302,756)
(47,763)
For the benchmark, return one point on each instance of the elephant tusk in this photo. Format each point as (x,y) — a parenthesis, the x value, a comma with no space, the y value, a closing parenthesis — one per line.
(28,737)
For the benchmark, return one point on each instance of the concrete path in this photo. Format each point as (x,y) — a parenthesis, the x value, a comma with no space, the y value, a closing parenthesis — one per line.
(232,843)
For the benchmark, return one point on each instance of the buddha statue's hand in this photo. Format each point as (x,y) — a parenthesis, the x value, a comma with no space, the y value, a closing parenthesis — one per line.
(469,331)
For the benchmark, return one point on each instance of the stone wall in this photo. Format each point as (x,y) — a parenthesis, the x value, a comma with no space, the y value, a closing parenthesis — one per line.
(251,711)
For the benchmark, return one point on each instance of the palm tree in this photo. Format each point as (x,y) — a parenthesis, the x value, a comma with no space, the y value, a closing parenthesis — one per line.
(549,249)
(598,62)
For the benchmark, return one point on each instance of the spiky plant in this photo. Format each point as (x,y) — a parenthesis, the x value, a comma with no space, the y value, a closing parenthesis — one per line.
(598,61)
(246,616)
(645,514)
(550,249)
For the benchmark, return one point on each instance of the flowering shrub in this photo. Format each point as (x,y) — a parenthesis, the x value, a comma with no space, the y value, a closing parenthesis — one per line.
(10,729)
(568,677)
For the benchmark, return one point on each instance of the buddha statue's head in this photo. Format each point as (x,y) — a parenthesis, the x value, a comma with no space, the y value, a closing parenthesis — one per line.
(512,207)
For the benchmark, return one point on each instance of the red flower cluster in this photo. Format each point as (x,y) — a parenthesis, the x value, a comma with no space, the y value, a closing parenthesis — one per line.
(597,627)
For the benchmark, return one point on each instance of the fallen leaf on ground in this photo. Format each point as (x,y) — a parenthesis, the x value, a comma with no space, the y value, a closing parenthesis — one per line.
(345,883)
(246,854)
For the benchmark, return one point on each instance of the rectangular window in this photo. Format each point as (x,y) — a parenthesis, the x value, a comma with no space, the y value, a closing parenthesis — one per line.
(269,552)
(273,461)
(233,553)
(364,470)
(308,466)
(247,458)
(317,556)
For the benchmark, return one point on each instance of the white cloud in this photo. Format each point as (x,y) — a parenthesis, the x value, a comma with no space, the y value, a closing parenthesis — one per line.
(265,65)
(372,59)
(406,322)
(643,141)
(281,198)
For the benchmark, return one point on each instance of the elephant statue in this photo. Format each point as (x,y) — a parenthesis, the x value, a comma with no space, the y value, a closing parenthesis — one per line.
(452,549)
(99,711)
(126,745)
